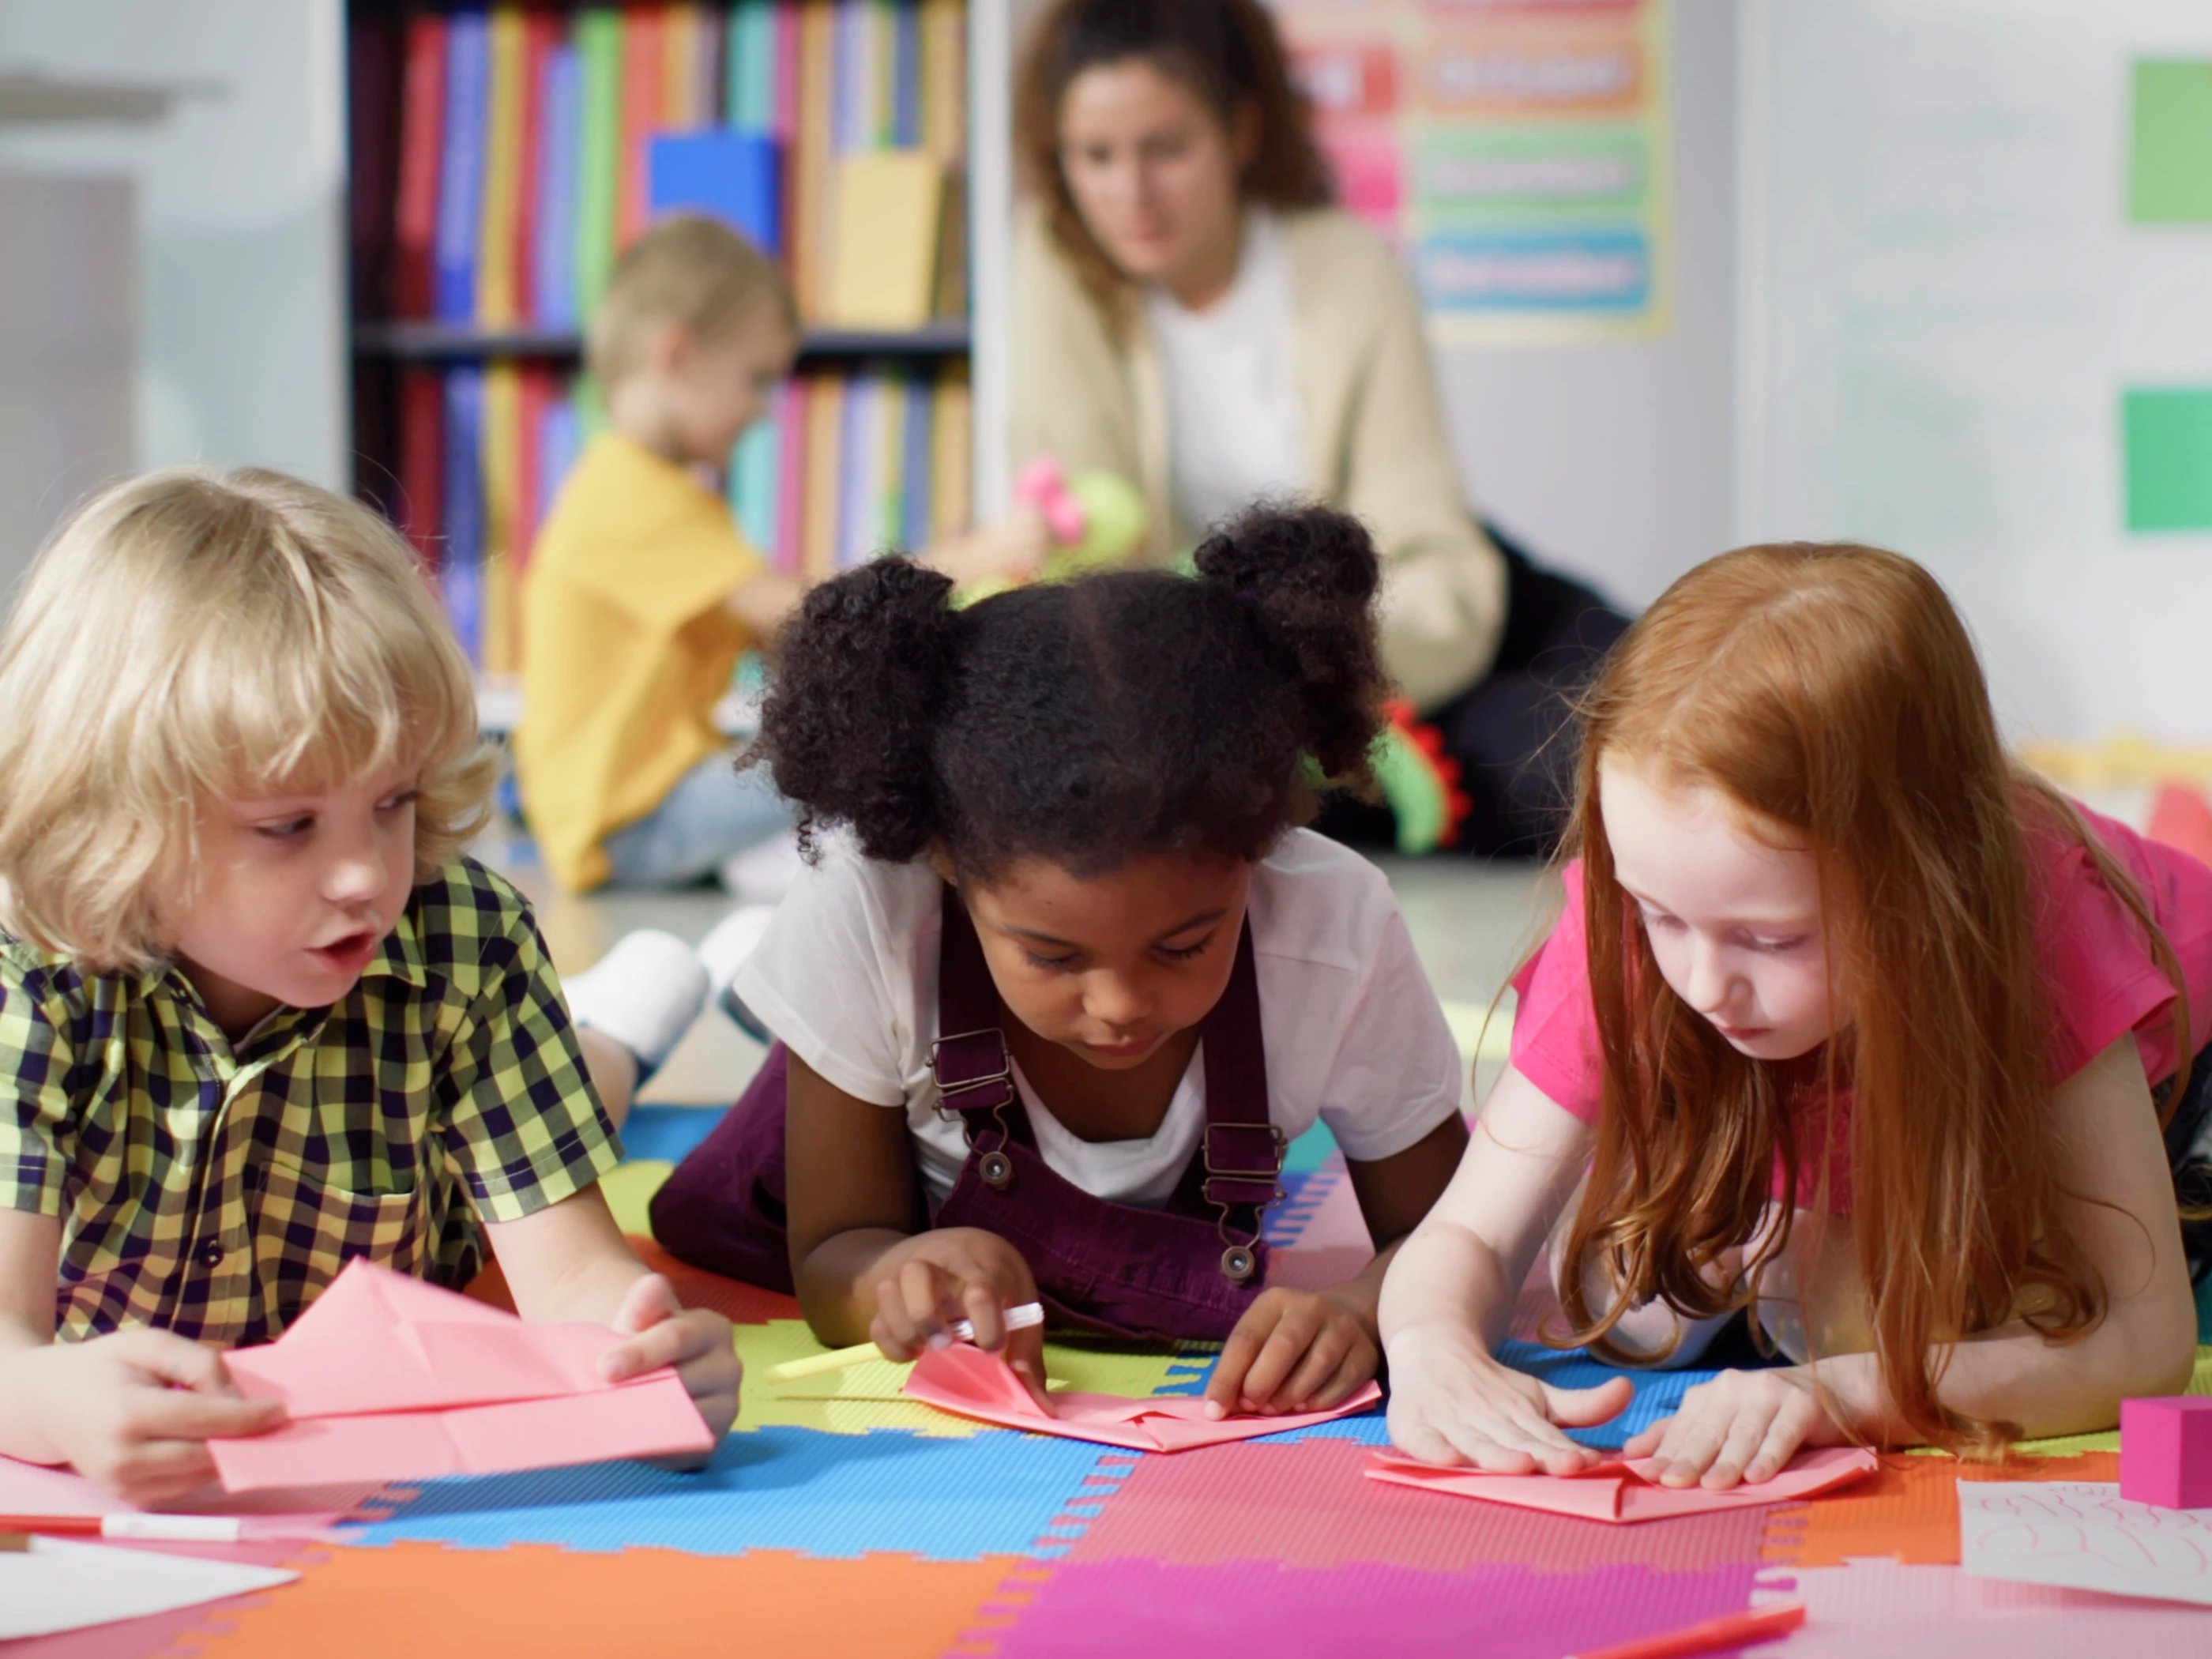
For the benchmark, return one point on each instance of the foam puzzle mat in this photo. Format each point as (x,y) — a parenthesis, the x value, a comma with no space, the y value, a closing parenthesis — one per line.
(839,1518)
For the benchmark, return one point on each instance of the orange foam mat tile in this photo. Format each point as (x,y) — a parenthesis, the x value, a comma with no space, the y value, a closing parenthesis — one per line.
(428,1601)
(1908,1512)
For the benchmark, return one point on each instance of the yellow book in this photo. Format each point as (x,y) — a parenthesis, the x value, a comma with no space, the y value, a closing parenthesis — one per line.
(888,530)
(502,470)
(825,470)
(681,29)
(945,78)
(952,454)
(812,144)
(498,305)
(882,265)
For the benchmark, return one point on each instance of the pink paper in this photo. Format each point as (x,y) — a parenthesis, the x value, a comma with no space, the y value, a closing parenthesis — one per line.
(1621,1492)
(969,1382)
(387,1378)
(34,1489)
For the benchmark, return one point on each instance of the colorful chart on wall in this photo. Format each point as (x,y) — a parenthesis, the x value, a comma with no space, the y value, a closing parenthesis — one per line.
(1518,151)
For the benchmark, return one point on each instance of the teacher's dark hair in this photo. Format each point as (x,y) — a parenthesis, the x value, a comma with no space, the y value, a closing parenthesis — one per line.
(1086,722)
(1226,50)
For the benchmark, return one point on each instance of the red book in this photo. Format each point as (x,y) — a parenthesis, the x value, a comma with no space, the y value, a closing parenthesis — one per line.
(537,392)
(541,33)
(643,69)
(423,460)
(422,151)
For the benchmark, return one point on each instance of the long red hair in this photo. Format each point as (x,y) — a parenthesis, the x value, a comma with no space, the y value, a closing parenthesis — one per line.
(1832,693)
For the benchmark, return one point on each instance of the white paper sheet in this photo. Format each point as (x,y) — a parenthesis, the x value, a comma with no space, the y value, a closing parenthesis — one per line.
(2084,1536)
(58,1584)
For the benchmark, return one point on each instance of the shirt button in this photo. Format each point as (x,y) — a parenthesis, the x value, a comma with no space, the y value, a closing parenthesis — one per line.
(212,1252)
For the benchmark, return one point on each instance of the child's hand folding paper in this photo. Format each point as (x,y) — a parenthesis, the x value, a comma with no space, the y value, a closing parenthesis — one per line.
(385,1378)
(1619,1492)
(969,1382)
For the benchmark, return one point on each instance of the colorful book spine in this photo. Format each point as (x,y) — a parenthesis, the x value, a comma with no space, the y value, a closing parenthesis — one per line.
(794,425)
(501,469)
(644,68)
(499,222)
(598,145)
(460,184)
(422,155)
(750,97)
(460,570)
(553,264)
(825,421)
(753,473)
(422,461)
(812,143)
(905,71)
(944,76)
(915,469)
(541,39)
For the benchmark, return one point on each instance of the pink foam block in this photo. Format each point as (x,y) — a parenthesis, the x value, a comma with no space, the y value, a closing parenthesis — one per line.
(386,1378)
(968,1382)
(2165,1452)
(1622,1493)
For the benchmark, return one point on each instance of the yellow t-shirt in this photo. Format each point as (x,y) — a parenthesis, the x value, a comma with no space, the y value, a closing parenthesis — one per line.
(627,645)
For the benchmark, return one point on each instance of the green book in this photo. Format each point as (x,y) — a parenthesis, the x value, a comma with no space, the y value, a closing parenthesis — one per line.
(751,97)
(599,49)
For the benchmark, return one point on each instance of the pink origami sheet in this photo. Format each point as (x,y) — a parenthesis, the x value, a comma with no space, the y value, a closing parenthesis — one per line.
(387,1378)
(969,1382)
(34,1489)
(1621,1492)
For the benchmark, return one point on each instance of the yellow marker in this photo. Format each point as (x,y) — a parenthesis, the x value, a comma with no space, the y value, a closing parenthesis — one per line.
(837,1359)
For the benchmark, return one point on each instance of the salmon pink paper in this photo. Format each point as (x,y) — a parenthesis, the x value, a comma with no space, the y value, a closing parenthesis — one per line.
(1622,1493)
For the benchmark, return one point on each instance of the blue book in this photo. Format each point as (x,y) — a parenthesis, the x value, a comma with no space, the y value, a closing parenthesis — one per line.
(914,509)
(736,177)
(561,113)
(753,466)
(751,92)
(460,575)
(851,92)
(564,440)
(858,523)
(461,169)
(906,77)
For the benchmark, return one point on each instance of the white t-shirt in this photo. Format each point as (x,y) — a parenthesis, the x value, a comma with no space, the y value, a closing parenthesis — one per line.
(1235,426)
(847,977)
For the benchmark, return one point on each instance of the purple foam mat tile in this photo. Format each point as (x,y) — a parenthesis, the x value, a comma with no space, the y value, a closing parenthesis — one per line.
(1305,1505)
(1904,1611)
(1497,1611)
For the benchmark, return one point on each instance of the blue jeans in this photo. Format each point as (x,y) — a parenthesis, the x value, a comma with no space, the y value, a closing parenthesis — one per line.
(713,812)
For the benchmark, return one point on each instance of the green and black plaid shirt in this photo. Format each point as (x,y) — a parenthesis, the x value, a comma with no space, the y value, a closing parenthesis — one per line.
(214,1191)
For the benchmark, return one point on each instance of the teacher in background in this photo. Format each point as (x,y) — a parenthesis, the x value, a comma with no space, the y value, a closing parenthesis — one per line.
(1193,313)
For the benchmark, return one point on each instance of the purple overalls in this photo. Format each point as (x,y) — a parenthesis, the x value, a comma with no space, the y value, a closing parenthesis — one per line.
(1188,1270)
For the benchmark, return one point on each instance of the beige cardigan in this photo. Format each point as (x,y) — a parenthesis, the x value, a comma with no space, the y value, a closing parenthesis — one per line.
(1094,399)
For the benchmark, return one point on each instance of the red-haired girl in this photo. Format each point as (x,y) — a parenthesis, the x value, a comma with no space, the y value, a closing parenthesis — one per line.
(1847,1020)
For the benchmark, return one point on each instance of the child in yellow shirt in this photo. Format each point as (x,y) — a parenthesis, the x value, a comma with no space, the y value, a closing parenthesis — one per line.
(643,592)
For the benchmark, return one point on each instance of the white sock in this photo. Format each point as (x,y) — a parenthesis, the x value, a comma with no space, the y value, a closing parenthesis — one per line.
(725,950)
(644,993)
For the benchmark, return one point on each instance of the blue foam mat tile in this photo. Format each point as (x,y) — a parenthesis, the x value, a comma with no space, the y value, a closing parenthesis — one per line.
(667,1131)
(993,1493)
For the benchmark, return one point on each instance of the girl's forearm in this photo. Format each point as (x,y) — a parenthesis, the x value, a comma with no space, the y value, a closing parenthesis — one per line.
(837,1283)
(1442,1274)
(2013,1374)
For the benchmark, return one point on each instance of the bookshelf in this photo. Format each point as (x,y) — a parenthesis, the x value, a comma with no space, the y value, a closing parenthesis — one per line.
(438,387)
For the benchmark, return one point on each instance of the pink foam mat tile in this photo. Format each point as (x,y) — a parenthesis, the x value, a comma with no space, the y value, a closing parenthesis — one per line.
(1904,1611)
(1303,1504)
(1494,1610)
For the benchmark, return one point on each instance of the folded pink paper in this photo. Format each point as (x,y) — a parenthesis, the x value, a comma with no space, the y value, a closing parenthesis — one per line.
(969,1382)
(386,1378)
(34,1489)
(1622,1493)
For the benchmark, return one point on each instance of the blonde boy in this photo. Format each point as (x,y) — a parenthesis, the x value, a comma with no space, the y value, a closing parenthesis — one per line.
(641,593)
(259,1013)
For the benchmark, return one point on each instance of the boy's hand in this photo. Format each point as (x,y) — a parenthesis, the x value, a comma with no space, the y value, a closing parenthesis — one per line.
(696,1341)
(1293,1350)
(1741,1425)
(948,1273)
(133,1411)
(1452,1403)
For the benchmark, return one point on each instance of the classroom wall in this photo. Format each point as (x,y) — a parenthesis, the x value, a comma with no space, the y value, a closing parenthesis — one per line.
(240,205)
(1616,460)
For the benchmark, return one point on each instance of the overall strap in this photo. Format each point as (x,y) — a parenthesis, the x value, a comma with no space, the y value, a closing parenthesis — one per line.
(974,1071)
(1240,1161)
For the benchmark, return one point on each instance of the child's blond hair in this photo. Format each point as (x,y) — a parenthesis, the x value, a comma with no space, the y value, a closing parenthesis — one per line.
(687,272)
(194,635)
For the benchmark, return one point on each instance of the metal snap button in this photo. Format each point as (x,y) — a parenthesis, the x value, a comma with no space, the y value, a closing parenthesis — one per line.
(1238,1263)
(997,1170)
(212,1252)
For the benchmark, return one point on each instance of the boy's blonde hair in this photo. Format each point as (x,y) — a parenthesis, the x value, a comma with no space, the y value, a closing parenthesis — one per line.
(194,635)
(689,272)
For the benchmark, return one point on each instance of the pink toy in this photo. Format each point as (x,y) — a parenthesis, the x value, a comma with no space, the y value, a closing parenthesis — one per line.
(2165,1452)
(1621,1492)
